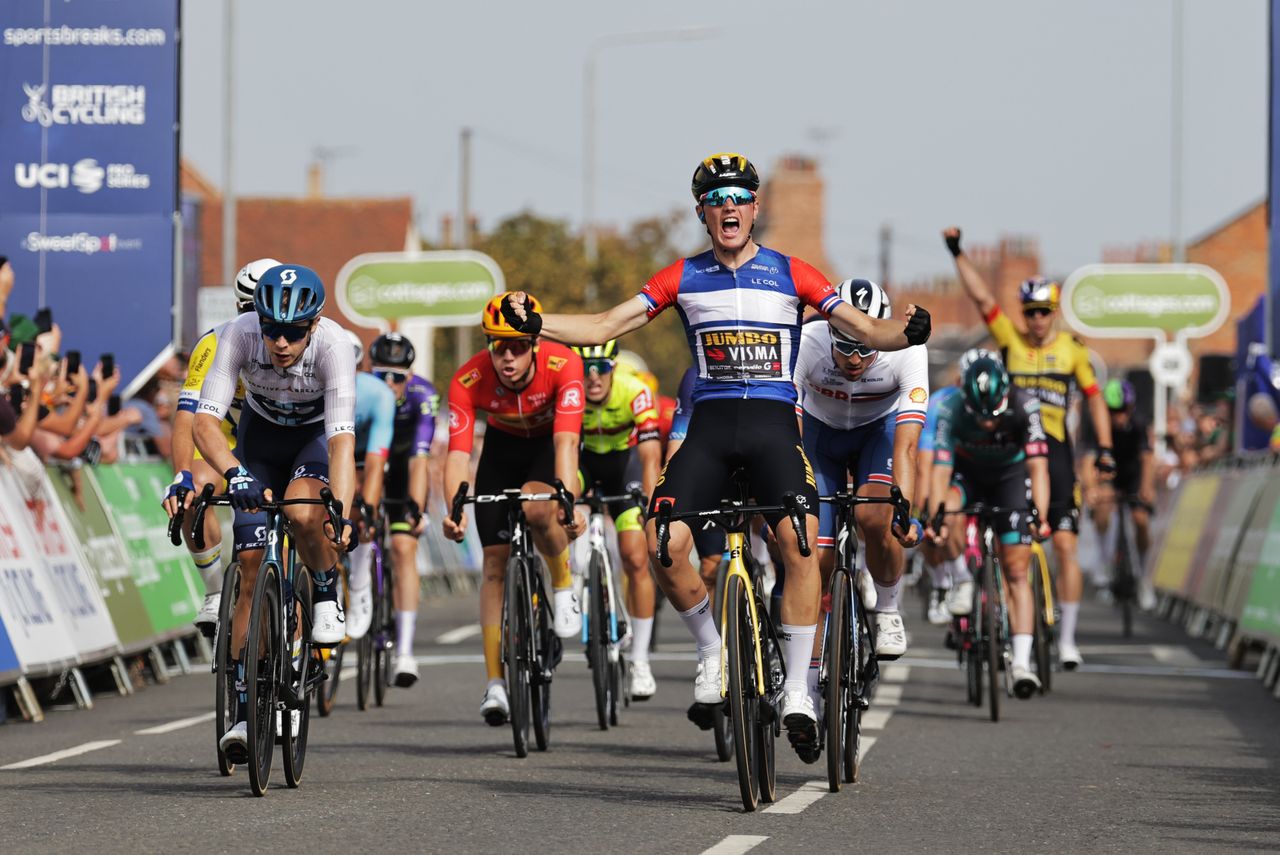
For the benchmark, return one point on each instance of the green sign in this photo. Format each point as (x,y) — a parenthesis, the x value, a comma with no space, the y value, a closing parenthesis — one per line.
(448,287)
(167,580)
(1261,612)
(104,555)
(1146,300)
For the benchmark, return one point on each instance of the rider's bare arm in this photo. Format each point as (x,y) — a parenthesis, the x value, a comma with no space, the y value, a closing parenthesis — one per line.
(905,439)
(342,469)
(1038,469)
(627,316)
(974,285)
(213,443)
(882,335)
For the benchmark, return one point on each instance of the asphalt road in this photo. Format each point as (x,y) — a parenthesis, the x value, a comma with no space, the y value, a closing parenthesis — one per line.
(1154,746)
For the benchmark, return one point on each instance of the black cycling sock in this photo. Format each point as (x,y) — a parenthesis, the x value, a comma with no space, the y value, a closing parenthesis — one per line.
(326,585)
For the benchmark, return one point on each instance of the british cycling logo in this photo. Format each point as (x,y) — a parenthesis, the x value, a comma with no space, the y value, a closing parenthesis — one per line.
(75,104)
(80,242)
(86,175)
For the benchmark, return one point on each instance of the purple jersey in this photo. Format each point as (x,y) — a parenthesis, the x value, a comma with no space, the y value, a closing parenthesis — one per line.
(415,422)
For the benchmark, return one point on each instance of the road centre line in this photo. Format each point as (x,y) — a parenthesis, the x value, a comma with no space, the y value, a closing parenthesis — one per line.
(736,844)
(887,696)
(61,755)
(896,674)
(175,725)
(809,793)
(949,664)
(458,635)
(876,719)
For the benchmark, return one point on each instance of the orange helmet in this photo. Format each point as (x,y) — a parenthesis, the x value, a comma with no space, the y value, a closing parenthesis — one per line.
(496,325)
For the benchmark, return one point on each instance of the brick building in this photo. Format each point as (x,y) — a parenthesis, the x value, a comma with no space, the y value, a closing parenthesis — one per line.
(318,231)
(792,212)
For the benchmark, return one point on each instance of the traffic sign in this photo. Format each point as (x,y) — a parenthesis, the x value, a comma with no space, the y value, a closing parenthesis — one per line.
(445,287)
(1157,301)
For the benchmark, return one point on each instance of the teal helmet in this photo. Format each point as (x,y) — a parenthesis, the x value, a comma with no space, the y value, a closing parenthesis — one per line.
(984,384)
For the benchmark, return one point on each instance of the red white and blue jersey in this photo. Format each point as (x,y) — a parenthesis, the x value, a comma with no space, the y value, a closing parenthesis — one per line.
(895,384)
(743,325)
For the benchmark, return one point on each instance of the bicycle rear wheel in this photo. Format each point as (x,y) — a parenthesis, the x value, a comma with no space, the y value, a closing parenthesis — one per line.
(1042,634)
(516,625)
(767,719)
(597,640)
(383,644)
(294,743)
(742,693)
(327,695)
(990,634)
(836,701)
(543,660)
(1126,584)
(262,670)
(224,669)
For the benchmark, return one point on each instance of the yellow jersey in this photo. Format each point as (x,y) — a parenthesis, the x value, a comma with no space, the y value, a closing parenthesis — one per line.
(1049,372)
(197,367)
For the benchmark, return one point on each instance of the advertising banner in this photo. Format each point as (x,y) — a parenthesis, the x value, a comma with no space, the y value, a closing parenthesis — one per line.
(1233,511)
(1145,300)
(49,535)
(1260,612)
(1196,497)
(89,168)
(1258,547)
(170,588)
(104,556)
(10,668)
(447,287)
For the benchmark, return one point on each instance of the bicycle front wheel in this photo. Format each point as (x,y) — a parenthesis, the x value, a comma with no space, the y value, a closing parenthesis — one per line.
(383,643)
(598,640)
(262,670)
(740,660)
(516,621)
(836,700)
(1041,638)
(542,661)
(990,634)
(299,668)
(224,668)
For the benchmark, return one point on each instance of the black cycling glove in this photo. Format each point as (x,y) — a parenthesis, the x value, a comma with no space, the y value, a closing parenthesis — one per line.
(531,325)
(919,326)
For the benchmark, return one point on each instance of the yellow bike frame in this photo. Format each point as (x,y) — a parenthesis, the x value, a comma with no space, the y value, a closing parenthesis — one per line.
(738,568)
(1038,551)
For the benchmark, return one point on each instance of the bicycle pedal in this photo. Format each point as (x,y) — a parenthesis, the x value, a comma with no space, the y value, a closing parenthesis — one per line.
(703,715)
(767,712)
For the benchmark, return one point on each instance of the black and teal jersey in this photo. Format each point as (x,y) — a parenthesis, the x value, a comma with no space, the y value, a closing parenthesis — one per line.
(1018,433)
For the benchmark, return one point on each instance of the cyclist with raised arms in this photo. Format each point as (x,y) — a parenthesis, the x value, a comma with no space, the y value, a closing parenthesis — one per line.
(862,411)
(408,483)
(375,412)
(296,436)
(621,414)
(741,305)
(1050,365)
(190,470)
(990,447)
(532,391)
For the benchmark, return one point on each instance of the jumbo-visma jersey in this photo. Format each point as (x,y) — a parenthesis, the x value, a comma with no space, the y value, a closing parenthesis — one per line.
(1047,372)
(743,325)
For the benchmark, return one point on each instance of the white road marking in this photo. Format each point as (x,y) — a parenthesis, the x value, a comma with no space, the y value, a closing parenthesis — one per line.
(1175,655)
(887,696)
(459,635)
(175,725)
(896,674)
(864,745)
(800,799)
(62,755)
(876,719)
(736,844)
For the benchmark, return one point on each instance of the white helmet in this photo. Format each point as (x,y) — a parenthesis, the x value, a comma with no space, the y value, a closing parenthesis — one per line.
(247,280)
(865,296)
(357,344)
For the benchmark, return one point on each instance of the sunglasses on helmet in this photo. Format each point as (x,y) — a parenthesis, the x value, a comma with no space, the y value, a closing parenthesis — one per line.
(385,374)
(291,332)
(722,195)
(849,348)
(514,346)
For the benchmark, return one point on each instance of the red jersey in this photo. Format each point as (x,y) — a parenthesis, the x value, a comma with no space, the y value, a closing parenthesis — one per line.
(551,403)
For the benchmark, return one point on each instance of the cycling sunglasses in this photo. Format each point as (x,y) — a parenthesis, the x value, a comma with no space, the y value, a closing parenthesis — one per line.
(599,366)
(514,346)
(1037,311)
(291,332)
(719,196)
(849,348)
(385,374)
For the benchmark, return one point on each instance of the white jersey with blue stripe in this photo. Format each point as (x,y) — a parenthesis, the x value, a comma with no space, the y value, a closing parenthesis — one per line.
(895,382)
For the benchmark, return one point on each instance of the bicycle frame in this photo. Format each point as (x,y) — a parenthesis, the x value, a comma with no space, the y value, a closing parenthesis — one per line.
(737,567)
(596,542)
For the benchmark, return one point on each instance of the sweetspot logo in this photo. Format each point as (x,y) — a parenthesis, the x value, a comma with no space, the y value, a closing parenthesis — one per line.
(81,242)
(85,105)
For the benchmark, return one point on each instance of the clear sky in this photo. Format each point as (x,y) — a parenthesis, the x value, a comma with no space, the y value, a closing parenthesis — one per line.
(1048,119)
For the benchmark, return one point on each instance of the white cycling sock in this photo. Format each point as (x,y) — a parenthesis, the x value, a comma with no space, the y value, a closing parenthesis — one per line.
(1022,650)
(406,623)
(359,577)
(209,565)
(940,574)
(702,625)
(1067,626)
(887,597)
(641,634)
(959,570)
(797,650)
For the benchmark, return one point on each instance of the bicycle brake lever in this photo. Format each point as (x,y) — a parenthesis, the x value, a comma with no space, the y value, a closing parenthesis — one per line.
(175,522)
(197,519)
(459,499)
(663,530)
(792,504)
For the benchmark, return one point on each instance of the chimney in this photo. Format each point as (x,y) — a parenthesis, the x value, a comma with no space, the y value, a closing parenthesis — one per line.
(315,180)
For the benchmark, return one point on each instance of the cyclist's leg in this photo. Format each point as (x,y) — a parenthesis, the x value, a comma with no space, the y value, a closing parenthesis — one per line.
(1013,490)
(208,561)
(831,475)
(951,551)
(550,538)
(404,563)
(500,455)
(1064,519)
(874,472)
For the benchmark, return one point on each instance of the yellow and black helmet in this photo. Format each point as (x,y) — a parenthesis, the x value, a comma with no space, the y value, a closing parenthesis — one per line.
(495,325)
(724,169)
(608,350)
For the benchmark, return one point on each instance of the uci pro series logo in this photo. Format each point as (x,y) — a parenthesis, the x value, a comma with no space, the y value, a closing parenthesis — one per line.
(86,175)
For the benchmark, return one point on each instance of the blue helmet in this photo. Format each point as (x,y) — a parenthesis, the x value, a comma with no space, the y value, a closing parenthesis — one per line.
(288,294)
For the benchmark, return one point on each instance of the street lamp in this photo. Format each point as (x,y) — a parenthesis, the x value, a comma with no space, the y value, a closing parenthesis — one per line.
(589,119)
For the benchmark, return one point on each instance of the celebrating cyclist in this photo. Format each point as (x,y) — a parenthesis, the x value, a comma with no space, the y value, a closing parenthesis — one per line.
(190,471)
(741,306)
(862,411)
(1135,475)
(375,411)
(990,448)
(296,436)
(408,483)
(620,415)
(1050,365)
(532,391)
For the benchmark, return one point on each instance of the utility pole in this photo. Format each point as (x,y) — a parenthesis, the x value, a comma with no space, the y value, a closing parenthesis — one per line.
(1175,154)
(462,339)
(228,145)
(886,247)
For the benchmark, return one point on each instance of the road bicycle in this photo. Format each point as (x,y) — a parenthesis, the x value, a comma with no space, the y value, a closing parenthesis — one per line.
(604,618)
(530,648)
(752,669)
(849,667)
(1125,579)
(285,668)
(1043,639)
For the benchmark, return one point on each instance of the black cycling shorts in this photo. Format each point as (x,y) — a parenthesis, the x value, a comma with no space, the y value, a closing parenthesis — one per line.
(761,437)
(395,494)
(608,474)
(276,455)
(1008,488)
(507,462)
(1064,489)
